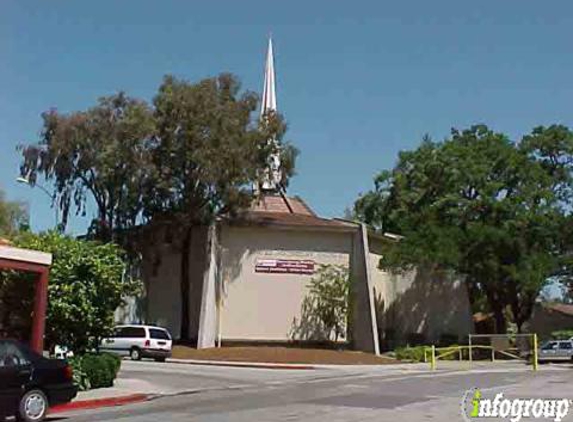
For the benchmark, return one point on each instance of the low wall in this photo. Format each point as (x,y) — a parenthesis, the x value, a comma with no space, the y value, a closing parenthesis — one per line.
(420,306)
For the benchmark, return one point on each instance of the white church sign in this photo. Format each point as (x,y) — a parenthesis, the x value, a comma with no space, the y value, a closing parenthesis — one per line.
(284,266)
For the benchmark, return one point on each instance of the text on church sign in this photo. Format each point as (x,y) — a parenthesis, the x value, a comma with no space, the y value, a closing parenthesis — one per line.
(285,266)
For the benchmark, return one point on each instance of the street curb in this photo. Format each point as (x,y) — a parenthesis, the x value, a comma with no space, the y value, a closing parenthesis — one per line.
(250,365)
(99,403)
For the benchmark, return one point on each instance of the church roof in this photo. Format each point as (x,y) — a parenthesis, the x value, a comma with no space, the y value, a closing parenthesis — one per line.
(281,204)
(287,212)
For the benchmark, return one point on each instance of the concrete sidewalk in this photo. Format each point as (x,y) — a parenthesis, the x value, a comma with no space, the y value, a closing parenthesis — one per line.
(122,387)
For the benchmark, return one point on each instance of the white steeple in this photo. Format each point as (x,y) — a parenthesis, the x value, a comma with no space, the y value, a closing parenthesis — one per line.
(269,99)
(272,177)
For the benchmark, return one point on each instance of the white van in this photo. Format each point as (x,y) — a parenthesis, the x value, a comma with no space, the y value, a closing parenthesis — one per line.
(139,341)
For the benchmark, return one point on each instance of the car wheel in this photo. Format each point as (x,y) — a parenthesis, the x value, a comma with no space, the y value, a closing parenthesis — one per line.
(135,354)
(159,359)
(33,406)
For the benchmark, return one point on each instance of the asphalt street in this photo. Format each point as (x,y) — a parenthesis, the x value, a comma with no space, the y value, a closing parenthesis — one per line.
(201,393)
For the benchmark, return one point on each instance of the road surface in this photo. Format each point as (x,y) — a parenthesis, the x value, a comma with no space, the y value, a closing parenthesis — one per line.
(200,393)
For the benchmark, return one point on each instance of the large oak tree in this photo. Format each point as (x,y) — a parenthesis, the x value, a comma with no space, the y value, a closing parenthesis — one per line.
(492,210)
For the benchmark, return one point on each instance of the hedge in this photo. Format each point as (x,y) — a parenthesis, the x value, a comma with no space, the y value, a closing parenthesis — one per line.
(95,370)
(415,354)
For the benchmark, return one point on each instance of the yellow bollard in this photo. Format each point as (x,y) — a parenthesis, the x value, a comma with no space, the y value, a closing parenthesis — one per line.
(535,362)
(470,348)
(433,359)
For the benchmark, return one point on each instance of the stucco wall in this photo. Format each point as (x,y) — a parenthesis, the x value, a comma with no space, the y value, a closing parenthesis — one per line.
(419,304)
(262,306)
(161,273)
(544,321)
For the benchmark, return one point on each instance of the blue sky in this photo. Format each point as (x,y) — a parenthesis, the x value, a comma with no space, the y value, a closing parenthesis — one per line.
(357,81)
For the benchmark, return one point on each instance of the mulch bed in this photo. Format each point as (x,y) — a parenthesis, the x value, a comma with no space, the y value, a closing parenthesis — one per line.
(267,354)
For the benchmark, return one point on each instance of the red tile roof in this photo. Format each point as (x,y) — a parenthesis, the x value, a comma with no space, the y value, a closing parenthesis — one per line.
(282,211)
(280,204)
(264,218)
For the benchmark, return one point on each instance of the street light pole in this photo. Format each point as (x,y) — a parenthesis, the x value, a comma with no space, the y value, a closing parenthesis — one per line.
(26,181)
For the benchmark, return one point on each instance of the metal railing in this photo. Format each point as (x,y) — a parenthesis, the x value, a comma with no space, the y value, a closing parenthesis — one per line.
(433,353)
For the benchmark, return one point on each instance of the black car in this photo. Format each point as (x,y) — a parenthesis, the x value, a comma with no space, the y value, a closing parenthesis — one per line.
(30,383)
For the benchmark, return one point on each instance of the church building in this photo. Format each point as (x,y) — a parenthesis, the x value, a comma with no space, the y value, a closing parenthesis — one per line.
(250,275)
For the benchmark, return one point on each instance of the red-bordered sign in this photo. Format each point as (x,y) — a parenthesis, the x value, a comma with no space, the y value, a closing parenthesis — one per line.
(285,266)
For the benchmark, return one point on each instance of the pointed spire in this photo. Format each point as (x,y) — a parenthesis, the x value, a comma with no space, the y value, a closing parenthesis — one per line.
(272,178)
(269,99)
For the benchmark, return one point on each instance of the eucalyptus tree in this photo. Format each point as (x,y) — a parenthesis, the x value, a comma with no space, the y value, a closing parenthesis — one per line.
(96,156)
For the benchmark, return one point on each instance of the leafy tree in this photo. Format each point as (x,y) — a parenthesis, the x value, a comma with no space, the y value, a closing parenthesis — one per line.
(192,156)
(330,293)
(206,155)
(492,210)
(324,311)
(88,282)
(13,216)
(101,154)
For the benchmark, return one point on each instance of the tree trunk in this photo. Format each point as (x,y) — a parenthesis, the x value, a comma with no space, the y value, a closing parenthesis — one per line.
(184,285)
(522,310)
(499,317)
(497,306)
(519,324)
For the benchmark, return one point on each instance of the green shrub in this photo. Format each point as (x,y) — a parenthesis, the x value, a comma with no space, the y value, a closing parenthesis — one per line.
(451,352)
(562,334)
(415,354)
(100,369)
(112,361)
(81,378)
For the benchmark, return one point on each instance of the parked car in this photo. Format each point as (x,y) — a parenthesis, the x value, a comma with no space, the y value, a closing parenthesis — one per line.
(556,350)
(139,341)
(30,383)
